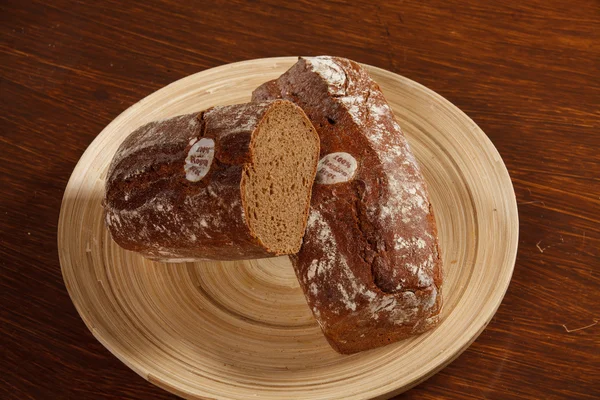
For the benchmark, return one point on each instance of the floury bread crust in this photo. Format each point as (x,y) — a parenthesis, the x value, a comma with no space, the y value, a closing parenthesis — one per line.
(232,182)
(370,265)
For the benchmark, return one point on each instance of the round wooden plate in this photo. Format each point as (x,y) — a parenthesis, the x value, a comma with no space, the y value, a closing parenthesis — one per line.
(242,329)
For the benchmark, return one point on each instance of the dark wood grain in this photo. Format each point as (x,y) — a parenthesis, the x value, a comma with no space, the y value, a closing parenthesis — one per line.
(527,73)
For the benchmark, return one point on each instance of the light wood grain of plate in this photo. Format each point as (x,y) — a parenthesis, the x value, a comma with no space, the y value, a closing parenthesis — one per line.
(242,329)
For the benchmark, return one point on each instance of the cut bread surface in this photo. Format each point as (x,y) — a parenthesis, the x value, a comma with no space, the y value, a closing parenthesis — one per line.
(276,187)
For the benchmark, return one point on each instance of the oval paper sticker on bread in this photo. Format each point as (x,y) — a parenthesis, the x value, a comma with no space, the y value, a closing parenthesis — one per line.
(336,168)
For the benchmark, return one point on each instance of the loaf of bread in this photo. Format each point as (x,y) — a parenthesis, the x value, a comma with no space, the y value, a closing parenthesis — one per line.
(232,182)
(369,265)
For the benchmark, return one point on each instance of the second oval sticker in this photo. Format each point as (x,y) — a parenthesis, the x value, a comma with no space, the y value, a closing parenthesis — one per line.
(336,168)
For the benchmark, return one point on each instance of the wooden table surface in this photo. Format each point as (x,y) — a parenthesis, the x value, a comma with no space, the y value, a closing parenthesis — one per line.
(527,73)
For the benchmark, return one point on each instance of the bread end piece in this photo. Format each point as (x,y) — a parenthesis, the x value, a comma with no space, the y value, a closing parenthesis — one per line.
(214,185)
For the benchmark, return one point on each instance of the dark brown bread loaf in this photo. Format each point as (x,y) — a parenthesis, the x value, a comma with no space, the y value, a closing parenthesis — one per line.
(369,265)
(231,182)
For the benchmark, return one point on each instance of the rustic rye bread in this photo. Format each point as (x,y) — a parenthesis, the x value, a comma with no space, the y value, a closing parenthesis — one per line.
(229,183)
(369,265)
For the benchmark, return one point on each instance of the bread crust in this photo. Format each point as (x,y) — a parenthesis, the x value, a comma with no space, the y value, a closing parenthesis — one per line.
(369,266)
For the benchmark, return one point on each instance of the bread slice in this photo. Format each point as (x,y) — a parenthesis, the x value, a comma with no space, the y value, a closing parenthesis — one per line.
(276,187)
(232,182)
